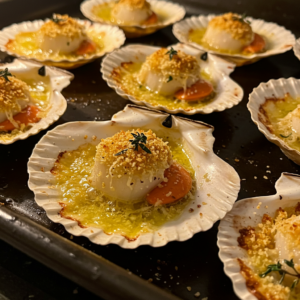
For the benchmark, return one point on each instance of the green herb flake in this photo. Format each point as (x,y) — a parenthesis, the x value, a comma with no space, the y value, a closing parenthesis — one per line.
(171,53)
(285,136)
(242,18)
(5,74)
(170,78)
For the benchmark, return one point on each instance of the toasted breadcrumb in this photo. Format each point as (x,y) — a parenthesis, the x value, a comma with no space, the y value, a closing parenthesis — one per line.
(135,4)
(181,65)
(229,22)
(133,162)
(10,91)
(68,27)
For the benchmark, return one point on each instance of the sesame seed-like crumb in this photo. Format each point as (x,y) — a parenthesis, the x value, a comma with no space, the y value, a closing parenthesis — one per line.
(189,288)
(197,294)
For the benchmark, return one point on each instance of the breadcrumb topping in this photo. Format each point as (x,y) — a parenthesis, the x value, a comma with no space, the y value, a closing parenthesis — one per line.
(134,4)
(181,65)
(230,22)
(133,162)
(66,26)
(260,244)
(11,91)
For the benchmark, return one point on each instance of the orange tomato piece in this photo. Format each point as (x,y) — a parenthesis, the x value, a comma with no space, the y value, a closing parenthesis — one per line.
(26,116)
(152,19)
(257,45)
(86,47)
(178,185)
(197,91)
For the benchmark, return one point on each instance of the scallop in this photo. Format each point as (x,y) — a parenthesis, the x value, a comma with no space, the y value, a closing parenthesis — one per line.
(133,12)
(129,175)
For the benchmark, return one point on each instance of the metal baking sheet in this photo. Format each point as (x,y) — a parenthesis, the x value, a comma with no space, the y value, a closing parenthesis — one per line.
(179,269)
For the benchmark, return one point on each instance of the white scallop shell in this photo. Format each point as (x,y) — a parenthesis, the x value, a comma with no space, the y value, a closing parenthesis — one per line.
(229,93)
(296,48)
(274,89)
(241,216)
(279,39)
(114,38)
(172,11)
(222,182)
(59,79)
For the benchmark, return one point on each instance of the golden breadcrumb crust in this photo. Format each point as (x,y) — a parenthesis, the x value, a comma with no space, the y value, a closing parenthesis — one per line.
(232,24)
(133,162)
(10,91)
(68,27)
(181,65)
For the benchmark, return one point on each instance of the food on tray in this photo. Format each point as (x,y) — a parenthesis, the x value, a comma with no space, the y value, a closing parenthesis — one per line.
(281,117)
(168,77)
(272,270)
(229,33)
(61,37)
(127,12)
(130,183)
(22,103)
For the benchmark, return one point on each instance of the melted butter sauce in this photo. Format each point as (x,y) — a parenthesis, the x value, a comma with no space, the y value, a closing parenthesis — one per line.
(103,11)
(91,208)
(26,43)
(278,109)
(126,77)
(196,36)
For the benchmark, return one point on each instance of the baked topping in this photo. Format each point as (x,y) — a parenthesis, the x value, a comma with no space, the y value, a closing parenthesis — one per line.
(134,4)
(135,160)
(62,25)
(233,24)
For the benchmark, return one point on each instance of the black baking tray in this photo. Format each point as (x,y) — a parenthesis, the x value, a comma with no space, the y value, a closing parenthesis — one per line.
(110,271)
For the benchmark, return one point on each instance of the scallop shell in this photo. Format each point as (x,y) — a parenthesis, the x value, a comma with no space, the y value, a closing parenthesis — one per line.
(279,39)
(229,93)
(114,38)
(274,89)
(241,216)
(173,11)
(213,176)
(296,48)
(59,79)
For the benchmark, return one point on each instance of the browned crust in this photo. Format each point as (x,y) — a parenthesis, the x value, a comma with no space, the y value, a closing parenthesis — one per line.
(245,233)
(251,283)
(130,239)
(263,117)
(62,214)
(54,168)
(9,44)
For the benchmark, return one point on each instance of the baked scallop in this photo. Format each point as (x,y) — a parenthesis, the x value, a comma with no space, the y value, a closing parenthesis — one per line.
(61,41)
(177,79)
(143,178)
(135,17)
(30,98)
(238,38)
(259,243)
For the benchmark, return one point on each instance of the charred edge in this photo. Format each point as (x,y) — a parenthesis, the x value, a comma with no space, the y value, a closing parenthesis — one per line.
(42,71)
(164,113)
(168,122)
(251,283)
(280,197)
(60,155)
(204,56)
(130,239)
(245,233)
(63,205)
(263,117)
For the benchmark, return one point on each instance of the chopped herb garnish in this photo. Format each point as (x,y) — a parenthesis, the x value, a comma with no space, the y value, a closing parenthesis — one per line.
(139,140)
(170,78)
(68,43)
(242,18)
(5,74)
(278,268)
(285,136)
(204,56)
(56,20)
(42,71)
(171,53)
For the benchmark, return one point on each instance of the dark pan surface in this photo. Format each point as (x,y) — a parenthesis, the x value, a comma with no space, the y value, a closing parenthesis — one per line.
(176,266)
